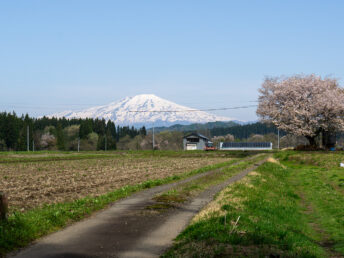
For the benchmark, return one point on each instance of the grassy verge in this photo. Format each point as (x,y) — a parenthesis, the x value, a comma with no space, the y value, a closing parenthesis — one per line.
(321,189)
(183,192)
(327,163)
(258,216)
(22,228)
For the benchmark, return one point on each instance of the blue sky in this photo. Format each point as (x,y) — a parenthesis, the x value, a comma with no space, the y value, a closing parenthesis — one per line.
(58,55)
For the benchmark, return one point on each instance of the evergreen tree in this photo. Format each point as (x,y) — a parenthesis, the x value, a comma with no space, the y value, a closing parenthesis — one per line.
(245,131)
(99,126)
(143,130)
(11,130)
(85,128)
(101,142)
(60,137)
(118,134)
(110,127)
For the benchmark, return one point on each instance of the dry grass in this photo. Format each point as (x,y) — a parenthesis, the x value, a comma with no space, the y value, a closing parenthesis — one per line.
(224,197)
(254,173)
(214,208)
(275,161)
(32,184)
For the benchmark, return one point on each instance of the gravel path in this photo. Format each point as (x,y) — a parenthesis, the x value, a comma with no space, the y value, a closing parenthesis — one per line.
(127,228)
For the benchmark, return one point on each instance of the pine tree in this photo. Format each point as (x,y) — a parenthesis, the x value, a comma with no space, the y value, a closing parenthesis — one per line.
(143,130)
(85,128)
(60,137)
(11,130)
(101,143)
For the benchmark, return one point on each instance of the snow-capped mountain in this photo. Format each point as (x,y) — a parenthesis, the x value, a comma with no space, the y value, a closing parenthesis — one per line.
(121,112)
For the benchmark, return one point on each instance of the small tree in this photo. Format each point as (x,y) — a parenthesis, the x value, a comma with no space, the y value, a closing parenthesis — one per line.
(226,138)
(47,141)
(302,105)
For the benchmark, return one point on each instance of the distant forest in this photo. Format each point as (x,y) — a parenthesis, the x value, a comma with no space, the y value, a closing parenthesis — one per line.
(245,131)
(98,134)
(212,129)
(61,134)
(195,127)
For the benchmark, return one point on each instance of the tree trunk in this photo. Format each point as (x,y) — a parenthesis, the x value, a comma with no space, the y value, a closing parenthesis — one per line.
(328,139)
(311,140)
(3,206)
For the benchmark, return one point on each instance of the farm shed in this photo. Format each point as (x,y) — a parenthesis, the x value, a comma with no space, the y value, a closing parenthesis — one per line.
(195,141)
(245,145)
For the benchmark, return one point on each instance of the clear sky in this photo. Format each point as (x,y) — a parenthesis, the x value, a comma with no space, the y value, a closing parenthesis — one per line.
(58,55)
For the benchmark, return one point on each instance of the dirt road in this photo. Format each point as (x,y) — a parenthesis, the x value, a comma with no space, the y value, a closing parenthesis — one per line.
(127,229)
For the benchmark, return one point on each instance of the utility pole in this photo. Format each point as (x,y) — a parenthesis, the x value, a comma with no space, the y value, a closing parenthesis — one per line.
(105,143)
(78,144)
(33,145)
(278,139)
(28,138)
(153,137)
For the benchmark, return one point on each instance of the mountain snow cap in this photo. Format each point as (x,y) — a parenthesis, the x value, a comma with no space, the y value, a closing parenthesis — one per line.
(123,112)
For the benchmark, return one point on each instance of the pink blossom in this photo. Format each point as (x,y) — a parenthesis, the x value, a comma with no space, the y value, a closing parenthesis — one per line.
(303,105)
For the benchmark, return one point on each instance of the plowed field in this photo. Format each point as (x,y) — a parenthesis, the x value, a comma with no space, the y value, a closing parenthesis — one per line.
(33,184)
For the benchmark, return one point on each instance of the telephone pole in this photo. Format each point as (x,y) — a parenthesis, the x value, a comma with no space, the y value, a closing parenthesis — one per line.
(153,137)
(278,139)
(28,138)
(78,144)
(105,143)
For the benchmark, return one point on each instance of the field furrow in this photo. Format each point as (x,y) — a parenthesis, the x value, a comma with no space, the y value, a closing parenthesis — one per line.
(33,184)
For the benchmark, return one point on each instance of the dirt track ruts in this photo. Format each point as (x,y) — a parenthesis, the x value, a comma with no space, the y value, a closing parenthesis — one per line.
(127,229)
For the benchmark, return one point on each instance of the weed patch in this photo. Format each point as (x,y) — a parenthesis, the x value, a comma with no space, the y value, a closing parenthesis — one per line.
(183,192)
(264,219)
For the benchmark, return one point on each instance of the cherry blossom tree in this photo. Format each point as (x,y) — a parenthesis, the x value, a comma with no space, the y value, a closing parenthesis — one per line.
(303,105)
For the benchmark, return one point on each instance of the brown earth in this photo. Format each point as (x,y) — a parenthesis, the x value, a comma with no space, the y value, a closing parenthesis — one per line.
(32,184)
(127,228)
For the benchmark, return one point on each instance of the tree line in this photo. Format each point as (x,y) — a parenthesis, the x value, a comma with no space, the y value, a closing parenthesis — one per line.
(61,133)
(246,131)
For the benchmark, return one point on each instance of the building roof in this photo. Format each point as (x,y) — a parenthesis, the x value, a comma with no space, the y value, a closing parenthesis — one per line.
(197,135)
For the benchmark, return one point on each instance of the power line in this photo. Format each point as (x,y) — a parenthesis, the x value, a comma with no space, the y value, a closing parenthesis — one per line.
(190,110)
(145,111)
(68,105)
(48,105)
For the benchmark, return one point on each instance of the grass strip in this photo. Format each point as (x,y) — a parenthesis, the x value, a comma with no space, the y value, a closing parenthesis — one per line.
(331,172)
(322,192)
(183,192)
(271,222)
(22,228)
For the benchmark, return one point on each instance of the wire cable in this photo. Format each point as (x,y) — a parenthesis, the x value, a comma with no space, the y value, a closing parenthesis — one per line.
(189,110)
